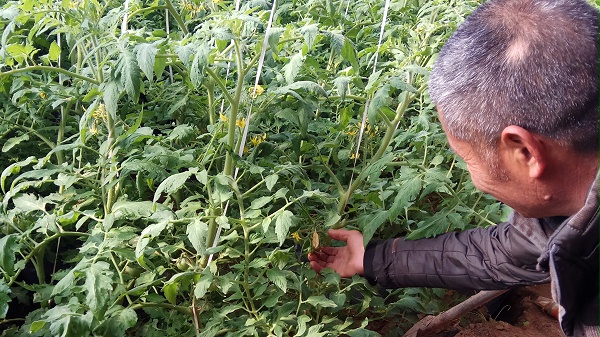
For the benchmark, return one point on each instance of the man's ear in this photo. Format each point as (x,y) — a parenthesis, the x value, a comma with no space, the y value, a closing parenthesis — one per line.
(524,149)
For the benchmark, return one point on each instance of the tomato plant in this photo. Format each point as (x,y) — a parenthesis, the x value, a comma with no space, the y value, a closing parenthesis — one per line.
(161,178)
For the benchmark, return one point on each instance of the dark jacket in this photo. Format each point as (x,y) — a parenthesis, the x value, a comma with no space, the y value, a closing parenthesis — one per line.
(521,251)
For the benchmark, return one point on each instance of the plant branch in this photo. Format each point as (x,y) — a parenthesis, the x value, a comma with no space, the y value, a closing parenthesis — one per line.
(177,17)
(49,68)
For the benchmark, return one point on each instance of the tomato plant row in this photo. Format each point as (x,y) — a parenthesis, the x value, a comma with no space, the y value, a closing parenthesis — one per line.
(127,209)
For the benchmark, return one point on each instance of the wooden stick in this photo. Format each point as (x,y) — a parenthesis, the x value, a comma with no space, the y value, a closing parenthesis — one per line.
(432,324)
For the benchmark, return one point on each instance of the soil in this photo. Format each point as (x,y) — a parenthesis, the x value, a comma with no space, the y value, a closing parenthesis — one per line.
(516,316)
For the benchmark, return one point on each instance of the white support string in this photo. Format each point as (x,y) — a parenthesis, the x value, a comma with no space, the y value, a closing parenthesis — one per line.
(124,23)
(366,111)
(246,127)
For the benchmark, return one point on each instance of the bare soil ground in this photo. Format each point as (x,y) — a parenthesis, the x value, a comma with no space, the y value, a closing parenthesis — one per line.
(519,316)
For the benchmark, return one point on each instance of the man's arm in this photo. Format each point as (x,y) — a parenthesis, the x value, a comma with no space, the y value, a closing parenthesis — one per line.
(496,257)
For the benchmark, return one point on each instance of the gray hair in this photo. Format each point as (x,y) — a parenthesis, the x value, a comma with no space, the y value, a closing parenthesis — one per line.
(531,63)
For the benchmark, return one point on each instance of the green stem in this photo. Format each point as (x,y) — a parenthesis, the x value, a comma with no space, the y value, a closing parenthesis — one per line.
(354,97)
(210,91)
(235,105)
(112,258)
(247,270)
(220,83)
(110,156)
(147,9)
(33,131)
(49,68)
(181,309)
(336,181)
(40,247)
(385,142)
(177,17)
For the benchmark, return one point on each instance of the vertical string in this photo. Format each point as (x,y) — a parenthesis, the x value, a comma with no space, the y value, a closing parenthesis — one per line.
(366,111)
(248,117)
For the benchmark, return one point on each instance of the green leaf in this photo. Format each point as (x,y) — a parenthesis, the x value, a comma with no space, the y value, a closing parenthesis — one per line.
(310,34)
(370,224)
(130,75)
(4,294)
(66,180)
(29,203)
(66,323)
(146,57)
(260,202)
(373,82)
(278,278)
(399,84)
(181,132)
(379,100)
(36,326)
(341,85)
(14,141)
(198,64)
(292,68)
(409,190)
(321,301)
(202,286)
(196,233)
(170,290)
(14,168)
(172,183)
(119,321)
(283,221)
(151,231)
(362,332)
(302,320)
(98,286)
(271,180)
(349,53)
(310,86)
(336,41)
(54,52)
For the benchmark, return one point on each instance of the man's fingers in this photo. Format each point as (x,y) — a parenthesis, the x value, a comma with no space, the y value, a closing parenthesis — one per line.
(339,234)
(316,266)
(329,250)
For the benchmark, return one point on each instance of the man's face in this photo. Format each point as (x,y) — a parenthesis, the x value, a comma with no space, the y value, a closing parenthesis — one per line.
(499,177)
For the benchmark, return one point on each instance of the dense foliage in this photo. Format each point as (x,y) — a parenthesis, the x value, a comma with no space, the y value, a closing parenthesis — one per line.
(127,209)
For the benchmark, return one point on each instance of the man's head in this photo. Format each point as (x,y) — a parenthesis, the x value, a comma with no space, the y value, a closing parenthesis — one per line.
(530,63)
(516,88)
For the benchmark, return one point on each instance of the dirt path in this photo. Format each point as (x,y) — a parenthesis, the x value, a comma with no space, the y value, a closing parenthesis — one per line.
(519,316)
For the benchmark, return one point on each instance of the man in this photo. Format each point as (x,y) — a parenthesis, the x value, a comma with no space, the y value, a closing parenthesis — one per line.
(516,89)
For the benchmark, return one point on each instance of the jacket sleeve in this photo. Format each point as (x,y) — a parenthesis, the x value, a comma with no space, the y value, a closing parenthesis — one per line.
(497,257)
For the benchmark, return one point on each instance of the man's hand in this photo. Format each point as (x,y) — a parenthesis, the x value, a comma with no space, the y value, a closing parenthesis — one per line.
(346,260)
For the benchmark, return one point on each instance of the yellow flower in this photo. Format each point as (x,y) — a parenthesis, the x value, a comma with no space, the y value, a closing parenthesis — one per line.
(223,117)
(255,93)
(42,95)
(100,112)
(241,123)
(296,236)
(257,139)
(94,129)
(354,156)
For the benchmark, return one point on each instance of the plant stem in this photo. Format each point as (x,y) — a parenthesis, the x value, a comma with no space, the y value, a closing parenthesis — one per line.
(42,246)
(210,91)
(177,17)
(31,130)
(181,309)
(220,83)
(385,142)
(49,68)
(235,105)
